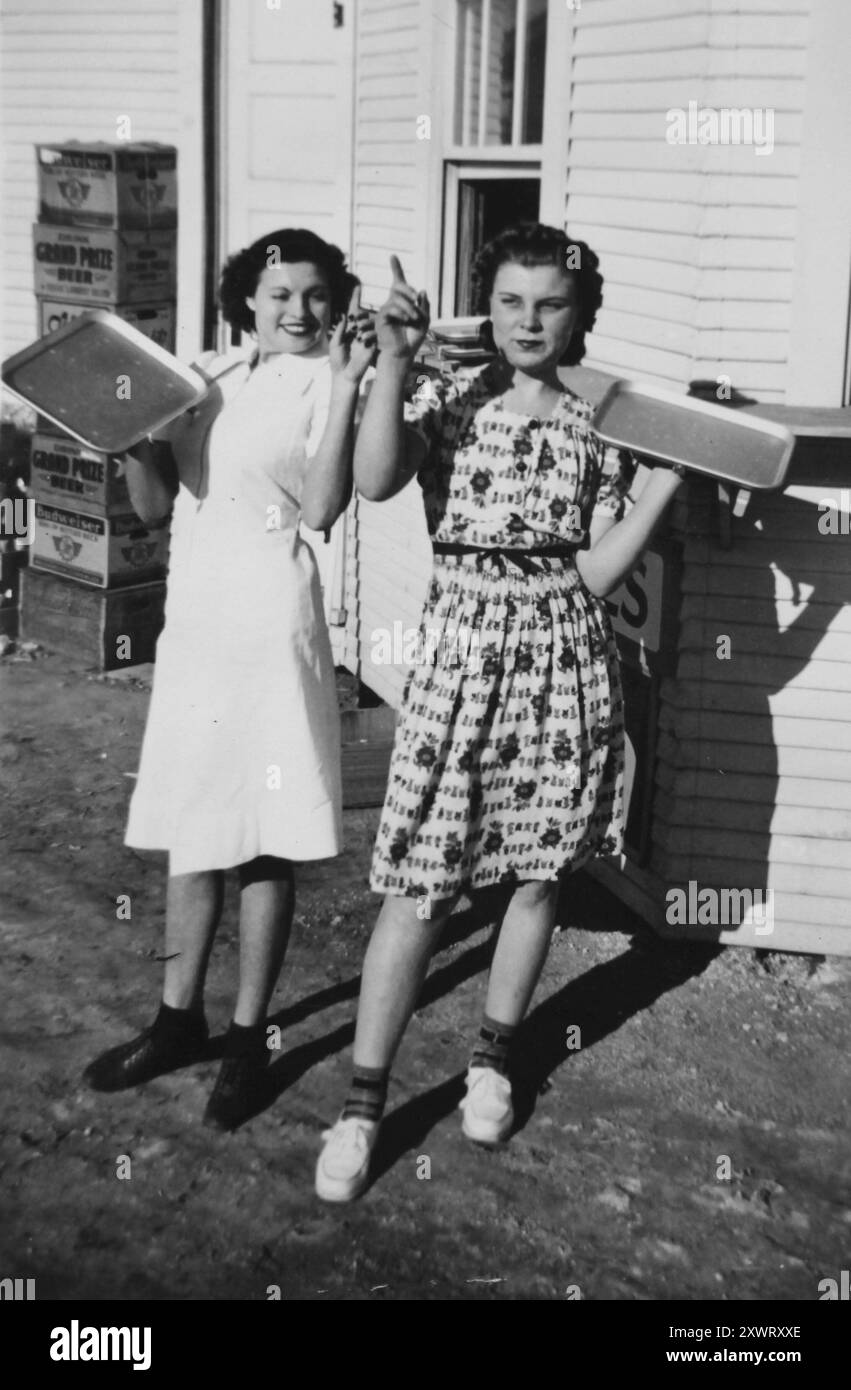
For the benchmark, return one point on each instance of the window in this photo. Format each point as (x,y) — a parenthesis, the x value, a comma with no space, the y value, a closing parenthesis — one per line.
(492,166)
(499,82)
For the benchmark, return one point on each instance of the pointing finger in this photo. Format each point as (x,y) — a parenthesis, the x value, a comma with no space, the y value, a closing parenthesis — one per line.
(354,302)
(398,272)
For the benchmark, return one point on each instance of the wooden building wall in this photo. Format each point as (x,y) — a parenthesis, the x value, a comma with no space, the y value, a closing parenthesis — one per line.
(697,242)
(753,782)
(753,757)
(70,68)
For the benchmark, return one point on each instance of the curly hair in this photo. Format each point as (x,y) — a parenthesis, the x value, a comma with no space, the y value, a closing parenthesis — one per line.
(533,243)
(242,271)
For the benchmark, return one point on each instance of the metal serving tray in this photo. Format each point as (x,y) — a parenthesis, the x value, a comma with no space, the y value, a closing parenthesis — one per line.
(72,378)
(713,439)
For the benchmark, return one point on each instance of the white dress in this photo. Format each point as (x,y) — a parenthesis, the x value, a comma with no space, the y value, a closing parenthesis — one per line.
(241,754)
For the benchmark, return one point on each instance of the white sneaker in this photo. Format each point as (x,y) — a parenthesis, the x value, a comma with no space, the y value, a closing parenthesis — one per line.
(488,1112)
(342,1171)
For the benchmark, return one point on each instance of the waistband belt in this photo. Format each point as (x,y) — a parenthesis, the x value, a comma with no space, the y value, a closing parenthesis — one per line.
(523,559)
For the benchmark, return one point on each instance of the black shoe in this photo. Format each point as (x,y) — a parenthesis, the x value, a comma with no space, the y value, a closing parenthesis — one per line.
(151,1054)
(238,1092)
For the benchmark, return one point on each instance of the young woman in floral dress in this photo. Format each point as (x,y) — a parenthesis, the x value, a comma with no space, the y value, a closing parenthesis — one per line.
(507,768)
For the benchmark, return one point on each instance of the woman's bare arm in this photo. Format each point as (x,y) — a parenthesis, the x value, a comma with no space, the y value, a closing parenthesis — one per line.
(616,548)
(386,455)
(328,482)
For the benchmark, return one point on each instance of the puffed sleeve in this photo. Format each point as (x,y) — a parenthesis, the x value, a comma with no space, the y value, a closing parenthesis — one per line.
(616,471)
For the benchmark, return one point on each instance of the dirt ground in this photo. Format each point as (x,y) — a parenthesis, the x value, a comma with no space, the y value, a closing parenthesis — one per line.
(614,1181)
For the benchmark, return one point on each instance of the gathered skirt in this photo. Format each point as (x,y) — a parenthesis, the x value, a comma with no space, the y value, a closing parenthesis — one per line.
(508,758)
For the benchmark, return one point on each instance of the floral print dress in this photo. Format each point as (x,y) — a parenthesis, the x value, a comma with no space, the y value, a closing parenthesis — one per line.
(508,758)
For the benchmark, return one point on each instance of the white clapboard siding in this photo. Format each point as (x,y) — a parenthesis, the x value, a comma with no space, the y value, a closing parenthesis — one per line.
(709,231)
(792,850)
(736,609)
(811,559)
(790,701)
(826,763)
(388,157)
(782,878)
(820,823)
(393,86)
(768,671)
(724,726)
(795,644)
(68,72)
(757,790)
(797,920)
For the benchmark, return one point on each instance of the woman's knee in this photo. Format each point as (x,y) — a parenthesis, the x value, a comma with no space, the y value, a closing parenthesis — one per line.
(419,918)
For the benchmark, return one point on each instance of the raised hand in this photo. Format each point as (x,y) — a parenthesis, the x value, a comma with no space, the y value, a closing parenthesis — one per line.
(402,321)
(352,345)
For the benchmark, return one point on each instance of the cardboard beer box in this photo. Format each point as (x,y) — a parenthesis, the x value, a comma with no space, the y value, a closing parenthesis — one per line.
(106,551)
(65,472)
(99,184)
(103,267)
(156,321)
(109,629)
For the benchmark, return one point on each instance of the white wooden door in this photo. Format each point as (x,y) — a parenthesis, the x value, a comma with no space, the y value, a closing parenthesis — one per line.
(286,143)
(287,85)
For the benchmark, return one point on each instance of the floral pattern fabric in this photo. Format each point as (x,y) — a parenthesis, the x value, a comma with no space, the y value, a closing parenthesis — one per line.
(508,759)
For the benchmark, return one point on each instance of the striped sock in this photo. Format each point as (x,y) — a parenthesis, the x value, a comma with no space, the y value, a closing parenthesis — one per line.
(367,1094)
(491,1050)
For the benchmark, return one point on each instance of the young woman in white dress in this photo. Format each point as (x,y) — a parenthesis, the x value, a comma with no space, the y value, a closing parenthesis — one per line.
(240,761)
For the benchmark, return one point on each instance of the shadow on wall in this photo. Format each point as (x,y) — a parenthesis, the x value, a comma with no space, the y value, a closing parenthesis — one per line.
(774,596)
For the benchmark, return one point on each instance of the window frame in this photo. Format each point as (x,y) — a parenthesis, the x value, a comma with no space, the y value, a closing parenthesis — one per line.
(455,171)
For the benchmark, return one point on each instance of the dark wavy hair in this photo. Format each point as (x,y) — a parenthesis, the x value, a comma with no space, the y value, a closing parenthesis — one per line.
(533,243)
(243,270)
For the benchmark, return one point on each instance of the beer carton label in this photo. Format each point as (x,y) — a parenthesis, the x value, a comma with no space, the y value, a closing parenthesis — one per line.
(104,267)
(100,550)
(104,185)
(64,471)
(156,321)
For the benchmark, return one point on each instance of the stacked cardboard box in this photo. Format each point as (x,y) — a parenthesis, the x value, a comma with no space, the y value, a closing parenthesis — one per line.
(106,238)
(107,234)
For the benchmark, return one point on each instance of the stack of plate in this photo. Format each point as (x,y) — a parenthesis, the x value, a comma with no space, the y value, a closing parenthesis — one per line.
(456,341)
